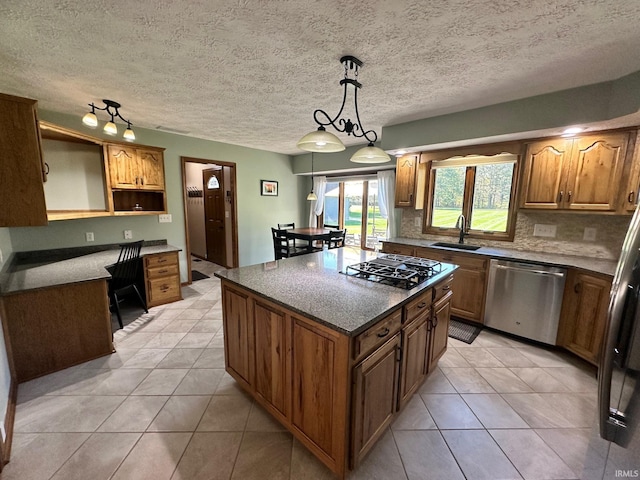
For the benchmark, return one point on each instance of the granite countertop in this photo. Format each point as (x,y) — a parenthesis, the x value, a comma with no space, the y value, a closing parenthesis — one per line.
(41,271)
(313,286)
(597,265)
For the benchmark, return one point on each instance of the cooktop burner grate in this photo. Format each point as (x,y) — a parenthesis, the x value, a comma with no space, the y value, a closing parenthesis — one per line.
(396,270)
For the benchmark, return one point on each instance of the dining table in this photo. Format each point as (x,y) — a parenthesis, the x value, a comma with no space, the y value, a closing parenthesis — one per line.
(310,234)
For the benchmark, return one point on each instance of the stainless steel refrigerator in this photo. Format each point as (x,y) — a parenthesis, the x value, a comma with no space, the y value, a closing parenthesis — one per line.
(614,450)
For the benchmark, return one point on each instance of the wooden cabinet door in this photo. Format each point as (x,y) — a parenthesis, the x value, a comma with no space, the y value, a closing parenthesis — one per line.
(124,169)
(594,179)
(22,201)
(319,390)
(584,314)
(414,357)
(543,181)
(237,334)
(151,163)
(630,196)
(270,356)
(406,180)
(374,396)
(439,330)
(398,248)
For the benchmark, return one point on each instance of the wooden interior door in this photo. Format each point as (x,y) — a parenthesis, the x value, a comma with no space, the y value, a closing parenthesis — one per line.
(213,187)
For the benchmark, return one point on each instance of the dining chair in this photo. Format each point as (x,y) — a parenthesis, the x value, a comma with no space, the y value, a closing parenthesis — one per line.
(334,227)
(282,248)
(335,239)
(292,241)
(124,275)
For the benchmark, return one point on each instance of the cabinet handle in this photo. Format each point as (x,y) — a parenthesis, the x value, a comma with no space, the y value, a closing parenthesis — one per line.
(164,288)
(560,196)
(163,271)
(577,288)
(161,260)
(446,287)
(383,333)
(632,194)
(569,196)
(435,321)
(141,180)
(422,304)
(46,168)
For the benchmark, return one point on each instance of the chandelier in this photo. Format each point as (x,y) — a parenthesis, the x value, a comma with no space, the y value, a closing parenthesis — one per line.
(323,141)
(110,127)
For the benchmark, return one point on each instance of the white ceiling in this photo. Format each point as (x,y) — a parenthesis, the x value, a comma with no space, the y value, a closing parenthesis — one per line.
(251,72)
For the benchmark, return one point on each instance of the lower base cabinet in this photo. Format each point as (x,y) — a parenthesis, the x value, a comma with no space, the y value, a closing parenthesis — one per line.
(162,278)
(584,314)
(336,394)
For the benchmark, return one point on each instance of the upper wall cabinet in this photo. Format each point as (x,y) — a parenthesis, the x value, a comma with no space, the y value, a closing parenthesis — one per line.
(22,201)
(581,174)
(136,179)
(406,167)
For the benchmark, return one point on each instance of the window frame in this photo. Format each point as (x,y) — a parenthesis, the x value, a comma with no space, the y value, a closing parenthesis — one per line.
(426,159)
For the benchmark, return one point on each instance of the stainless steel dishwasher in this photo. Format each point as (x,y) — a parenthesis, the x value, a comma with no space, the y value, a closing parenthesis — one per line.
(525,299)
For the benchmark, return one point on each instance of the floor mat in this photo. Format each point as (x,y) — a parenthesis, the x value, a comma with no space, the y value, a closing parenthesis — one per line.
(463,331)
(196,275)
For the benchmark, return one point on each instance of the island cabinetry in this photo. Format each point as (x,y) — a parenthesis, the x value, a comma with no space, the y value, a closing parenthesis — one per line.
(398,248)
(238,334)
(375,396)
(22,200)
(406,167)
(75,328)
(162,278)
(584,314)
(583,173)
(439,329)
(469,283)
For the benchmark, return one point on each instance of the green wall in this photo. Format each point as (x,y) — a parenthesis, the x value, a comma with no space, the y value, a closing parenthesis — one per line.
(256,214)
(5,246)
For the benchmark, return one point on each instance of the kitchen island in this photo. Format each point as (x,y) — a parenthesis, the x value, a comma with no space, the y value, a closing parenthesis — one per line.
(333,357)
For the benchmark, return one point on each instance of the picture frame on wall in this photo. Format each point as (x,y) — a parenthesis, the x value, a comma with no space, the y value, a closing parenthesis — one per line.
(269,188)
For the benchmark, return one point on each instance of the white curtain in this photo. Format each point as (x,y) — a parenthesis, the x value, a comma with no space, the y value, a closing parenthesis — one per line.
(386,199)
(317,206)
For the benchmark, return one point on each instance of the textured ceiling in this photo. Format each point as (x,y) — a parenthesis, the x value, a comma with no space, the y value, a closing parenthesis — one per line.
(252,72)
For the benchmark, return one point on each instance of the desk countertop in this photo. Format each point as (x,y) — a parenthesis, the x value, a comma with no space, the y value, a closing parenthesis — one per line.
(24,276)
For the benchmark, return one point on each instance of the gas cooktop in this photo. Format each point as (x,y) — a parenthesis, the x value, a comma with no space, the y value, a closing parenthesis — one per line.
(396,270)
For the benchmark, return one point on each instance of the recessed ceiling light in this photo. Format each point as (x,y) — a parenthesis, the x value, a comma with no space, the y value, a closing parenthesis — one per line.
(571,131)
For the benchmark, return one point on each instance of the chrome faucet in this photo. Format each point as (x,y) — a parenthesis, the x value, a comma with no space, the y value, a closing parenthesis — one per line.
(461,224)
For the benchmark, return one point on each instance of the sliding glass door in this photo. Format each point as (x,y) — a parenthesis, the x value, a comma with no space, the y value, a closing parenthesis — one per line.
(353,205)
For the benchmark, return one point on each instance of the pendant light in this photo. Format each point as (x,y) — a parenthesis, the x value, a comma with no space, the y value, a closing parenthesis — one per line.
(110,128)
(323,141)
(312,196)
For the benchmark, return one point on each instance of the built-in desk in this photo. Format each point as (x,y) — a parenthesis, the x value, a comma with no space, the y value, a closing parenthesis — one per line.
(55,309)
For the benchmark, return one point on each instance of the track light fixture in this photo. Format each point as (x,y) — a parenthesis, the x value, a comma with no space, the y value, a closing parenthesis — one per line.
(110,127)
(323,141)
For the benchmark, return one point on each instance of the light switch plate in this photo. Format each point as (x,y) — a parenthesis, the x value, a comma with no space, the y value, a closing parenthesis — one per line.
(416,221)
(128,234)
(164,218)
(542,230)
(89,236)
(590,234)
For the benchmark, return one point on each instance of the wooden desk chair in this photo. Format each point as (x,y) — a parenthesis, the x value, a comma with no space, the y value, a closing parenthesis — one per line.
(335,239)
(124,275)
(282,247)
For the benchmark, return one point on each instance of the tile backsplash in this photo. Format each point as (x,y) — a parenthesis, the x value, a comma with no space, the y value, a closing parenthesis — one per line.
(610,232)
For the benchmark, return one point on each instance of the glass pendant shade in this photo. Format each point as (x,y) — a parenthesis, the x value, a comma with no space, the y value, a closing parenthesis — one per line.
(370,154)
(90,120)
(110,128)
(129,135)
(312,196)
(321,141)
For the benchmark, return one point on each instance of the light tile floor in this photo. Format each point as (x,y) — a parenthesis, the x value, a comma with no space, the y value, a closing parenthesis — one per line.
(162,407)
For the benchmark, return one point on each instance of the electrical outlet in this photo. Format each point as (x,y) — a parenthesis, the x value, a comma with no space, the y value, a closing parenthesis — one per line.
(542,230)
(416,221)
(128,234)
(89,236)
(165,218)
(590,234)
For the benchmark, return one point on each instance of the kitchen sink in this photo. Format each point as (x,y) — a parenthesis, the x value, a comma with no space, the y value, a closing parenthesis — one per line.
(457,246)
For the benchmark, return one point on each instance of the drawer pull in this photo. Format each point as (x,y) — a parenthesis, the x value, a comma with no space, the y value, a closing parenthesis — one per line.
(161,260)
(163,271)
(446,287)
(383,333)
(422,304)
(630,197)
(164,288)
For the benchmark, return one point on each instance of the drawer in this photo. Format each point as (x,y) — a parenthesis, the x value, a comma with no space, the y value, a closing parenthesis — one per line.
(418,306)
(161,259)
(376,335)
(163,289)
(167,270)
(441,289)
